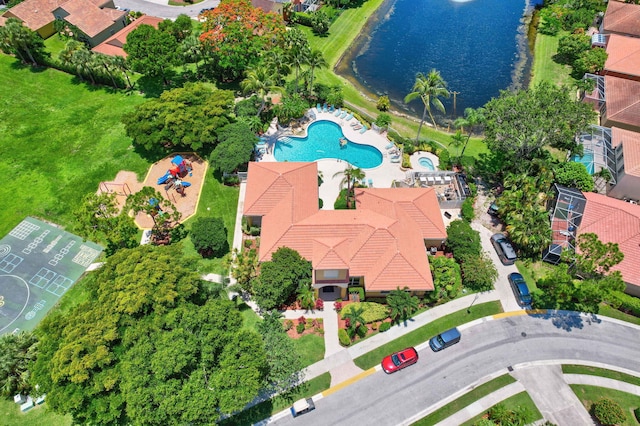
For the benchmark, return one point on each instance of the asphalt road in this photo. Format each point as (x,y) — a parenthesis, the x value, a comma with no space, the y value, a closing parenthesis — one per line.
(161,8)
(485,348)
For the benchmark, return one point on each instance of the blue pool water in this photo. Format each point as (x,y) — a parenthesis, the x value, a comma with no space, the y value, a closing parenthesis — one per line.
(587,160)
(426,163)
(323,141)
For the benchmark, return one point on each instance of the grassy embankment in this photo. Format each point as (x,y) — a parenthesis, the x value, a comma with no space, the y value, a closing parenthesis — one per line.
(342,34)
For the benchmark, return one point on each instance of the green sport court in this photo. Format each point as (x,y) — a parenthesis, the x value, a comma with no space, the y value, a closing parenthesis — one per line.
(39,262)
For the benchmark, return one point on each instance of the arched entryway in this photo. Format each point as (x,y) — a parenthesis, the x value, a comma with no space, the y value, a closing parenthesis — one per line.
(329,293)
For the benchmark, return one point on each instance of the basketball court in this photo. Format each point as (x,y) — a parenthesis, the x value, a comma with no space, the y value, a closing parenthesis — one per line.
(39,262)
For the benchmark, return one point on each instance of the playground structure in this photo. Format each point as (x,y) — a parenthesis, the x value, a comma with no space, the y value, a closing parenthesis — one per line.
(173,178)
(189,165)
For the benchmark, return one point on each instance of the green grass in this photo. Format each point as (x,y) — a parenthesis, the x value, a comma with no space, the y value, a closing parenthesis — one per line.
(11,415)
(590,394)
(608,311)
(465,400)
(280,402)
(250,319)
(311,348)
(520,400)
(55,45)
(58,140)
(425,332)
(544,67)
(602,372)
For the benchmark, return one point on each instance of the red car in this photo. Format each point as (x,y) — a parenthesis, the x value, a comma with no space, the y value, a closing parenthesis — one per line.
(399,360)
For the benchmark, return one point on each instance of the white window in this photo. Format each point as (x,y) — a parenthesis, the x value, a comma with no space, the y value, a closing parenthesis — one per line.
(331,273)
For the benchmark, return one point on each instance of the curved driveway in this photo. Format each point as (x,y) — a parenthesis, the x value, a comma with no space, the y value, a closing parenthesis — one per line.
(485,348)
(161,9)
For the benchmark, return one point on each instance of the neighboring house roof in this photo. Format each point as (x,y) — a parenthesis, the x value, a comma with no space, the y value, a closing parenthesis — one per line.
(631,148)
(113,45)
(623,100)
(90,20)
(382,240)
(623,55)
(615,221)
(622,18)
(84,14)
(265,5)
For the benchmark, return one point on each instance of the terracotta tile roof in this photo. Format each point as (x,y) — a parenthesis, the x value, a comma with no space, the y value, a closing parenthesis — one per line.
(631,147)
(90,20)
(382,240)
(623,100)
(113,45)
(623,18)
(618,222)
(624,55)
(35,13)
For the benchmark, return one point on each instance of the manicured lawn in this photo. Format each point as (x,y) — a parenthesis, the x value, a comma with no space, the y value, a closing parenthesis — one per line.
(279,403)
(544,67)
(602,372)
(250,319)
(465,400)
(591,394)
(520,400)
(311,348)
(426,332)
(10,414)
(58,140)
(608,311)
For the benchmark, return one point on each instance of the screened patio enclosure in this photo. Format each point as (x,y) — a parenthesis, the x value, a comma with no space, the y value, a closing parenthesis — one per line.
(566,211)
(597,154)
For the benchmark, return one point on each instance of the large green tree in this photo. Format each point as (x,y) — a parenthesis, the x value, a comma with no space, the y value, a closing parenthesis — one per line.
(429,89)
(280,278)
(478,273)
(593,258)
(17,352)
(236,143)
(285,366)
(520,124)
(185,118)
(573,174)
(462,240)
(151,51)
(209,237)
(148,346)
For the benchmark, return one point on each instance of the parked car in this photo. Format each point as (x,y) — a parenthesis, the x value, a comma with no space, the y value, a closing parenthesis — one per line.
(520,289)
(505,250)
(399,360)
(444,340)
(302,406)
(493,209)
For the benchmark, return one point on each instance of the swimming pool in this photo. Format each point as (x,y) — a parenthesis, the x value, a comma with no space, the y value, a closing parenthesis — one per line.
(323,140)
(587,160)
(426,163)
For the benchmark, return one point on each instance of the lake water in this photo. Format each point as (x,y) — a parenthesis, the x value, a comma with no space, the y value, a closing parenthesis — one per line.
(479,47)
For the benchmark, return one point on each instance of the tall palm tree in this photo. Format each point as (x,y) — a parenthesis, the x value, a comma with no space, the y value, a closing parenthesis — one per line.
(84,62)
(278,62)
(472,118)
(191,48)
(21,38)
(429,88)
(298,56)
(121,64)
(315,61)
(457,140)
(259,80)
(350,175)
(67,55)
(106,62)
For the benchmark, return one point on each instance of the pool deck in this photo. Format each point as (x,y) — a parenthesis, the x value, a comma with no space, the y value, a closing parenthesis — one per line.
(381,176)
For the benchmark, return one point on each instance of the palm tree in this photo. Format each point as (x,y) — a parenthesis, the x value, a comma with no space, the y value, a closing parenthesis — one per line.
(192,50)
(276,60)
(401,304)
(472,118)
(260,81)
(306,296)
(353,316)
(84,62)
(457,141)
(429,88)
(121,64)
(299,57)
(315,61)
(67,55)
(106,62)
(350,175)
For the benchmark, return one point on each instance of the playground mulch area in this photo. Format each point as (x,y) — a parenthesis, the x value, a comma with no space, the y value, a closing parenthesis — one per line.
(39,262)
(127,183)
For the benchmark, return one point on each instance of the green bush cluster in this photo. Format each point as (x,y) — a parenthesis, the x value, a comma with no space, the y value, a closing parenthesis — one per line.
(625,303)
(385,326)
(467,211)
(358,290)
(343,337)
(362,331)
(608,412)
(372,311)
(300,327)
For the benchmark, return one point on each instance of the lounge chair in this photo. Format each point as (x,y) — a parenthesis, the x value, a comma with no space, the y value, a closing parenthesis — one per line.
(395,160)
(364,129)
(331,108)
(324,108)
(338,112)
(354,124)
(391,145)
(349,117)
(357,127)
(344,114)
(318,107)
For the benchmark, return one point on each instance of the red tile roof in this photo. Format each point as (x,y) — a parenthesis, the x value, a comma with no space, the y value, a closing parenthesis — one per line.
(622,18)
(623,100)
(624,55)
(631,146)
(35,13)
(615,221)
(382,240)
(113,45)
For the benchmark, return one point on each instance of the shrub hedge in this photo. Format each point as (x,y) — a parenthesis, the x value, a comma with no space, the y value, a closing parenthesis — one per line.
(372,311)
(343,337)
